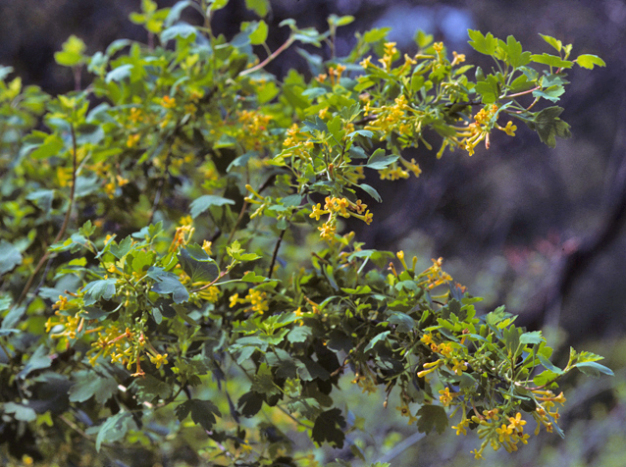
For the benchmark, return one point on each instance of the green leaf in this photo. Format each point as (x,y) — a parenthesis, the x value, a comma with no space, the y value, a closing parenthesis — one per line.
(551,93)
(120,250)
(168,283)
(489,89)
(483,44)
(551,60)
(260,7)
(197,264)
(259,36)
(115,428)
(72,53)
(594,369)
(548,365)
(375,35)
(589,61)
(402,321)
(119,73)
(379,161)
(147,388)
(329,426)
(432,417)
(202,412)
(422,39)
(199,205)
(557,44)
(20,412)
(382,337)
(548,126)
(299,334)
(534,337)
(51,146)
(10,257)
(89,384)
(370,190)
(37,361)
(103,288)
(250,404)
(515,55)
(182,29)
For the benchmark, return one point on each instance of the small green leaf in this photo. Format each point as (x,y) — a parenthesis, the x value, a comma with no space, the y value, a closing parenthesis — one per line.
(557,44)
(483,44)
(260,7)
(51,146)
(199,205)
(548,365)
(120,250)
(168,283)
(370,190)
(250,404)
(594,369)
(197,264)
(551,60)
(104,288)
(10,257)
(89,384)
(329,427)
(115,428)
(589,61)
(534,337)
(20,412)
(432,417)
(202,412)
(259,36)
(379,160)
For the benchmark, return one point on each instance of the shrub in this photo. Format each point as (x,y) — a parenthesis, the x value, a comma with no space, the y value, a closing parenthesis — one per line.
(175,257)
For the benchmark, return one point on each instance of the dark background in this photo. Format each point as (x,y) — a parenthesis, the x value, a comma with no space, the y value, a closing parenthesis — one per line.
(539,229)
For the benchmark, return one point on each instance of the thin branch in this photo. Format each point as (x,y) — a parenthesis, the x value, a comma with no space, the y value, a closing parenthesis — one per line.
(66,221)
(276,53)
(275,254)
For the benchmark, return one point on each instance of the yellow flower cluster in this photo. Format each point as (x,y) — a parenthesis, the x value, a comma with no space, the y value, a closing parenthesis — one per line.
(254,132)
(542,414)
(339,207)
(390,118)
(298,143)
(183,234)
(434,275)
(499,431)
(255,298)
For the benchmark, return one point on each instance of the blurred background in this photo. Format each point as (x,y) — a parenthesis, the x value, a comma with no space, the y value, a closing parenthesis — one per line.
(541,230)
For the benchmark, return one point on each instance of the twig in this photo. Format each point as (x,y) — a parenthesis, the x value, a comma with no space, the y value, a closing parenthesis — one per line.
(275,254)
(276,53)
(66,221)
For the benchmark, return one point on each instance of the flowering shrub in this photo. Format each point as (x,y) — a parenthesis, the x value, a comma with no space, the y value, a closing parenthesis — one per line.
(175,259)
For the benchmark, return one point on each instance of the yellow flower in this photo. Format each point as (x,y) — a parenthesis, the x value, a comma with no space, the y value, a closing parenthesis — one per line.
(504,433)
(516,422)
(460,428)
(234,299)
(158,360)
(317,212)
(510,129)
(446,397)
(168,102)
(206,246)
(427,339)
(458,58)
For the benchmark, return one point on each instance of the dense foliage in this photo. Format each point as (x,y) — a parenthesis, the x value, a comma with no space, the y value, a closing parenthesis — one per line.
(175,260)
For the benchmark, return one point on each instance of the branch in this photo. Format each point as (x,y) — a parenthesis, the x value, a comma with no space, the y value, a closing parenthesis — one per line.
(276,53)
(66,221)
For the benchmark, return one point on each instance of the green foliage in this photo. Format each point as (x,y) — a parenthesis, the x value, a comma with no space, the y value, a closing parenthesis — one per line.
(188,238)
